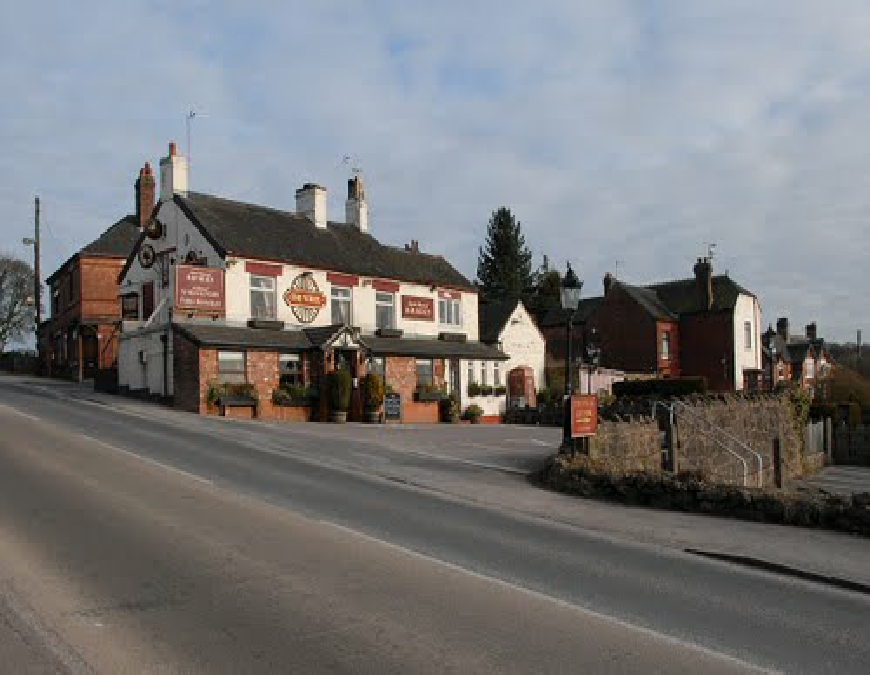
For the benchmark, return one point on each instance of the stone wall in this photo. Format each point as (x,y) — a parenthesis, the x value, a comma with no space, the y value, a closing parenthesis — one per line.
(627,445)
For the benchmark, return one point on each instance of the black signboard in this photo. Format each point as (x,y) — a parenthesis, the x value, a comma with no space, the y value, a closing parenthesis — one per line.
(393,407)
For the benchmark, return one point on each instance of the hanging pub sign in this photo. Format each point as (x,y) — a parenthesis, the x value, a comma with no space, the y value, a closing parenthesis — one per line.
(584,415)
(304,298)
(199,289)
(414,307)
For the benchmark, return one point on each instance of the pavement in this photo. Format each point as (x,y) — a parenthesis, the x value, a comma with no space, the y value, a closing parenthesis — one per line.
(151,540)
(840,480)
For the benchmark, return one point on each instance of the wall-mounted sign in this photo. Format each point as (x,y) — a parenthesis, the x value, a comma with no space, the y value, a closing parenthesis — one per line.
(199,289)
(414,307)
(304,298)
(584,415)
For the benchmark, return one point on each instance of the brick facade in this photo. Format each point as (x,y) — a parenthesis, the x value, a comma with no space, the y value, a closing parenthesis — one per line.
(706,339)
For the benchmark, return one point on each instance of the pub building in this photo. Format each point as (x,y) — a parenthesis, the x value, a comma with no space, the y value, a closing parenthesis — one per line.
(217,291)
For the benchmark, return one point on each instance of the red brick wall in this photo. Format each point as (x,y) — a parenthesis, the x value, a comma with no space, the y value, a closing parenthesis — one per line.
(401,376)
(99,287)
(626,333)
(669,367)
(262,372)
(705,339)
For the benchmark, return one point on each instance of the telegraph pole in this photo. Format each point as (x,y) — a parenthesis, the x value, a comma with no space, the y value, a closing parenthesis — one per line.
(37,283)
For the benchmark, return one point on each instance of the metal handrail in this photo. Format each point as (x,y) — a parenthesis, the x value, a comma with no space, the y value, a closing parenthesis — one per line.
(733,438)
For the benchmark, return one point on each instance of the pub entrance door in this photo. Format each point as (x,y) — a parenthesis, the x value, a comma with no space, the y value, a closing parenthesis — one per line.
(455,381)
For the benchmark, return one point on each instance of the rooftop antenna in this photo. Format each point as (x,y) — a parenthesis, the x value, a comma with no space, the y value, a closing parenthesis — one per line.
(711,251)
(616,269)
(352,161)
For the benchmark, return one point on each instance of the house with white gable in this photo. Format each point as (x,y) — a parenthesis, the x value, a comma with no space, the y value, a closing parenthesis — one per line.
(217,291)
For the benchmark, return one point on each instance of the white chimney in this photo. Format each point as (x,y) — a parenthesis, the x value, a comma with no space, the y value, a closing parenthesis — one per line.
(311,203)
(356,211)
(173,174)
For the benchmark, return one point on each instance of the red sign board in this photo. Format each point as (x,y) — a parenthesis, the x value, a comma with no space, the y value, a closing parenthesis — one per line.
(584,415)
(199,289)
(418,308)
(295,297)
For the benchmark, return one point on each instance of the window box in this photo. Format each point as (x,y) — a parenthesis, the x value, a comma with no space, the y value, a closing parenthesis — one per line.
(425,394)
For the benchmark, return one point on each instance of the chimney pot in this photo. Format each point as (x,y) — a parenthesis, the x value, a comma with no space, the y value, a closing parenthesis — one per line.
(173,149)
(704,277)
(173,174)
(608,283)
(811,331)
(356,211)
(144,189)
(311,203)
(782,327)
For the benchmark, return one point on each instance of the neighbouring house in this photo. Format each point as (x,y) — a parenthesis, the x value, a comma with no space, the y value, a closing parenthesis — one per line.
(802,360)
(509,326)
(221,292)
(80,339)
(707,325)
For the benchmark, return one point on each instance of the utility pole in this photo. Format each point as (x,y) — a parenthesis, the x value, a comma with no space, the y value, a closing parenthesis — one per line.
(37,283)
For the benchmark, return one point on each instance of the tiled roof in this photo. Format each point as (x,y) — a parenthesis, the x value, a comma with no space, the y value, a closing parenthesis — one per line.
(251,231)
(647,299)
(220,335)
(492,317)
(118,241)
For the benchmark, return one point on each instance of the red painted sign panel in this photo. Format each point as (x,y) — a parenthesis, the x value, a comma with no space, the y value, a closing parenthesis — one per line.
(414,307)
(584,415)
(295,297)
(199,289)
(262,269)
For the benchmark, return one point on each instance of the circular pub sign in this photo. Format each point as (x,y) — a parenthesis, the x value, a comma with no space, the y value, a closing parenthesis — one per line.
(304,298)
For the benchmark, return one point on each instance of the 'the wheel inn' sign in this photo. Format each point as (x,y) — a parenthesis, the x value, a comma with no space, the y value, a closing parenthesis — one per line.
(199,289)
(414,307)
(304,298)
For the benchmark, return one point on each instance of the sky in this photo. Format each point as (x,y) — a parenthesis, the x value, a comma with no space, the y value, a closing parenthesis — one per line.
(620,133)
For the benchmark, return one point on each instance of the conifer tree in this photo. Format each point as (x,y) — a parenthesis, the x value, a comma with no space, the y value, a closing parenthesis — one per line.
(504,263)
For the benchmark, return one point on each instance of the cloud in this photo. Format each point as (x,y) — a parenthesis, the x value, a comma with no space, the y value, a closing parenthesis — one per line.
(631,131)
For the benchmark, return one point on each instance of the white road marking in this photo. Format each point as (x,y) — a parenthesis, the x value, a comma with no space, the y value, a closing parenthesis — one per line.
(148,460)
(21,414)
(548,598)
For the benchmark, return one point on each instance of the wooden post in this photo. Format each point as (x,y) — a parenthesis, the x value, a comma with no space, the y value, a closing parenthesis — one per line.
(777,463)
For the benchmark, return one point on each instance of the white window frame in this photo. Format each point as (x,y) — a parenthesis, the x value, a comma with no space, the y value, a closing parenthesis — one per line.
(424,362)
(496,374)
(381,300)
(234,375)
(450,311)
(268,290)
(471,379)
(483,378)
(747,335)
(338,296)
(666,345)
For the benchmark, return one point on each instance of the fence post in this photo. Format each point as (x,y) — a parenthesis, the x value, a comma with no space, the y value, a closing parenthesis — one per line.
(777,463)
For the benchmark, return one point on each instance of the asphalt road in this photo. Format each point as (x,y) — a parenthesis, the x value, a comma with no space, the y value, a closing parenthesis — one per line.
(181,544)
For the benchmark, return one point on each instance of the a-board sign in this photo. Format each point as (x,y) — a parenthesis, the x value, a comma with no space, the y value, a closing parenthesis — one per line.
(584,415)
(393,407)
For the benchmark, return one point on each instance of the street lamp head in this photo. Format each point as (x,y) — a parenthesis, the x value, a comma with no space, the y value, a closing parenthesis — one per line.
(570,291)
(28,241)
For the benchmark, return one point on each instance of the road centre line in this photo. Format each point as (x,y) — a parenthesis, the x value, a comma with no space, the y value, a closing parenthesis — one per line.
(549,598)
(148,460)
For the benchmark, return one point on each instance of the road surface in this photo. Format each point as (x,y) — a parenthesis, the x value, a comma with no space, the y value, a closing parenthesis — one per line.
(175,544)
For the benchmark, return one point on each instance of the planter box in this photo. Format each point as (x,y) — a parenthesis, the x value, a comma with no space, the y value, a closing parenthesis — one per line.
(236,402)
(424,396)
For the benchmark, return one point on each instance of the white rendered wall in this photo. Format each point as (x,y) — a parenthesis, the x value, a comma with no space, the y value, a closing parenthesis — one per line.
(746,309)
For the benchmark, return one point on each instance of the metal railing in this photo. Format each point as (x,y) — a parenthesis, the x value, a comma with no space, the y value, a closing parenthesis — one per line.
(719,436)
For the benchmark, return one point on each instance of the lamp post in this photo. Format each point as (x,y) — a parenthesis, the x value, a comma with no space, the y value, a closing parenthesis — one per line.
(570,299)
(772,366)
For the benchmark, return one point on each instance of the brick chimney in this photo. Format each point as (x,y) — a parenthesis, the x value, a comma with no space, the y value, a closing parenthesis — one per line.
(811,331)
(704,277)
(782,327)
(173,174)
(144,195)
(311,203)
(356,211)
(608,283)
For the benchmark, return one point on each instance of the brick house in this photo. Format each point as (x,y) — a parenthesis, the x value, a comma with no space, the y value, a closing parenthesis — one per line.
(706,326)
(222,291)
(80,338)
(799,359)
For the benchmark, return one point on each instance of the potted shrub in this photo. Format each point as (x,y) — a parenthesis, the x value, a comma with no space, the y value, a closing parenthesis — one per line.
(449,409)
(373,397)
(339,383)
(473,413)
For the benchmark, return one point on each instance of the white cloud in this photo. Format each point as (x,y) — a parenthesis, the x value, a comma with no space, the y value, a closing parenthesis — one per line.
(623,130)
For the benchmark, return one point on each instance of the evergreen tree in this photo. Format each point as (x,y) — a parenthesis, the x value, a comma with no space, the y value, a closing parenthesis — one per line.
(504,264)
(546,291)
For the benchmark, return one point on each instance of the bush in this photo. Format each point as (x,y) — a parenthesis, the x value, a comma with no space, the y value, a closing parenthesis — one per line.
(473,389)
(676,386)
(449,409)
(473,412)
(372,392)
(219,390)
(545,397)
(487,390)
(293,394)
(339,387)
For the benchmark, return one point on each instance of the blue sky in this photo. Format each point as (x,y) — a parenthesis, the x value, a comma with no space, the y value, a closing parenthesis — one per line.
(630,131)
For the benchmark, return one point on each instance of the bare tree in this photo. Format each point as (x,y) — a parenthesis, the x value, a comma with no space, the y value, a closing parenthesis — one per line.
(17,304)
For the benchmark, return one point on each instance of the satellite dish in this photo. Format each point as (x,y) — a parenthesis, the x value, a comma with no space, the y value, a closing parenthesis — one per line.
(146,256)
